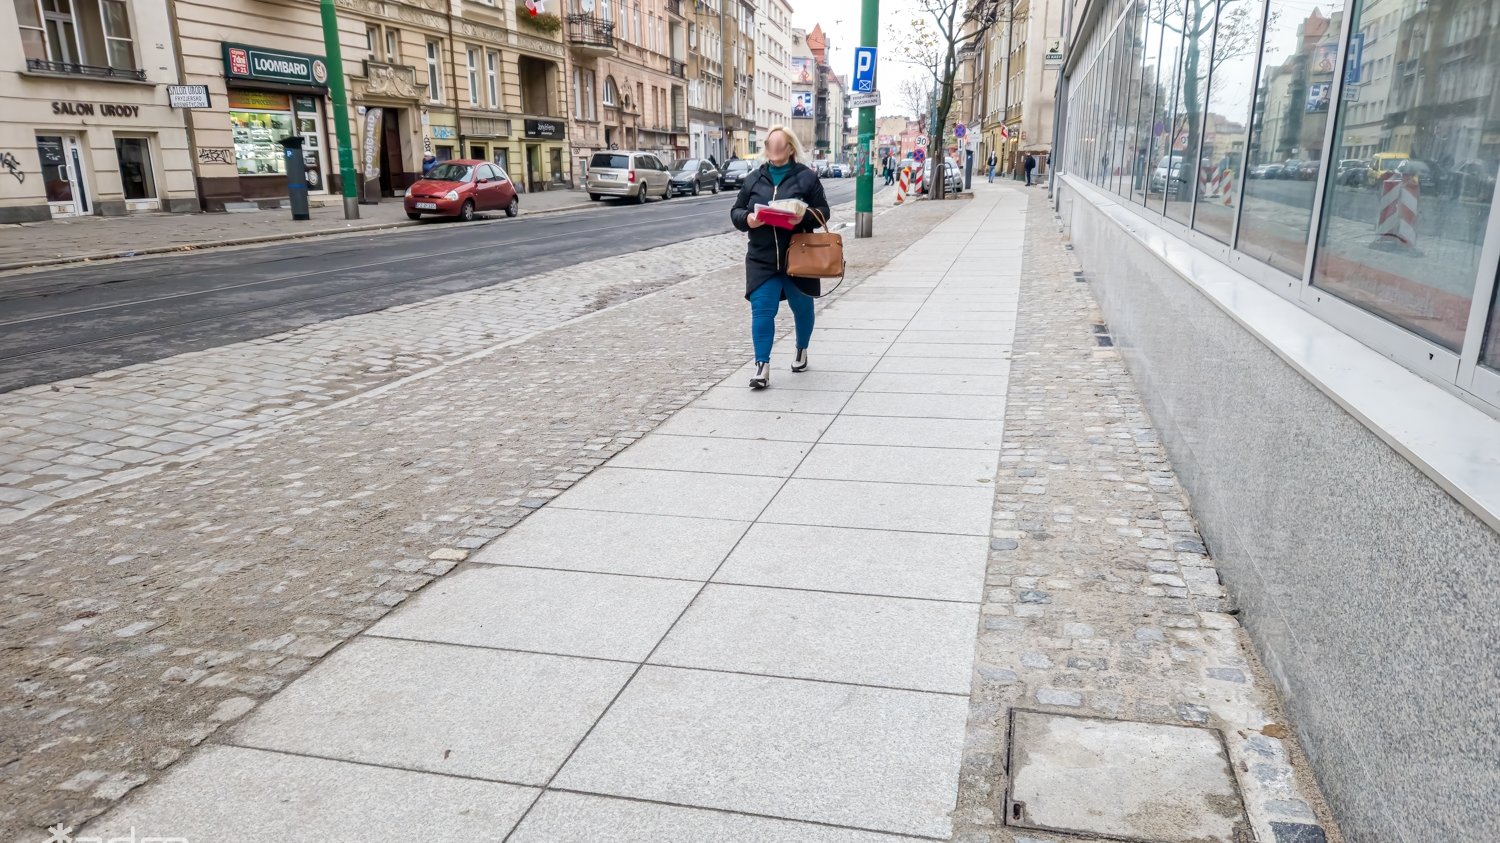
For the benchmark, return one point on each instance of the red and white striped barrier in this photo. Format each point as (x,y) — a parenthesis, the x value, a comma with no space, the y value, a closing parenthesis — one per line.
(1225,186)
(916,183)
(902,184)
(1208,183)
(1399,199)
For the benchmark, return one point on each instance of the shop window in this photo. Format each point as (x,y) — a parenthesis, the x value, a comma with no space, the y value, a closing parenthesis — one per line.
(258,120)
(1401,233)
(75,34)
(1491,354)
(1287,130)
(1197,29)
(136,174)
(434,71)
(1230,99)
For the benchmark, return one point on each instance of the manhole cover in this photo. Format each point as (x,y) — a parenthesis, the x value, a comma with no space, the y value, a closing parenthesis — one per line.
(1115,778)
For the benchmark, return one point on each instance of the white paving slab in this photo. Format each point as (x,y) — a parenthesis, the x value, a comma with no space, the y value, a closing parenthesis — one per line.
(487,714)
(232,793)
(748,424)
(922,405)
(869,758)
(917,432)
(734,396)
(886,464)
(570,613)
(883,506)
(894,642)
(719,455)
(642,545)
(734,497)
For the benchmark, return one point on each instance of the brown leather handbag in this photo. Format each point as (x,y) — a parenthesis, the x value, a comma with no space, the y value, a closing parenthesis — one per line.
(816,254)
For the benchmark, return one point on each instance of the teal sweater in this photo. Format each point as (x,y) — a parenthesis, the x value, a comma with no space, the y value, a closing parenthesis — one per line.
(779,173)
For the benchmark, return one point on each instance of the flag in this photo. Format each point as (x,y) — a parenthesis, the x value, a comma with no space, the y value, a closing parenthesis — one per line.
(1004,133)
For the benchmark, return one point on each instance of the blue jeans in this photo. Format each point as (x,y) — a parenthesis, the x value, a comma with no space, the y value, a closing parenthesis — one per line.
(765,300)
(992,175)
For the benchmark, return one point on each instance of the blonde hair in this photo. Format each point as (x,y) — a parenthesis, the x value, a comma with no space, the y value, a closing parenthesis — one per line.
(798,153)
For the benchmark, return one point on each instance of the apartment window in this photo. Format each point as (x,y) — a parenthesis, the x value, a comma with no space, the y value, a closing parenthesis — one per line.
(577,101)
(372,40)
(636,23)
(588,95)
(492,77)
(472,59)
(93,33)
(393,46)
(611,92)
(434,71)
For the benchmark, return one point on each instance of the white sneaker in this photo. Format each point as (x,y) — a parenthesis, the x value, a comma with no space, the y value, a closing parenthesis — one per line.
(762,377)
(799,363)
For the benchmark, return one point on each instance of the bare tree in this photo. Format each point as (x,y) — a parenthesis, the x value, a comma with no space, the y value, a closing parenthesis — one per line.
(913,97)
(934,40)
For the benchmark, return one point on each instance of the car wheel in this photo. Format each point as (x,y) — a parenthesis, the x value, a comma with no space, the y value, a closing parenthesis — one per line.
(412,216)
(640,198)
(594,197)
(466,213)
(514,207)
(716,188)
(697,188)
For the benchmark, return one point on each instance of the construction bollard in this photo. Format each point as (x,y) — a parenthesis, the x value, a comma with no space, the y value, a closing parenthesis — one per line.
(1226,186)
(1396,229)
(902,184)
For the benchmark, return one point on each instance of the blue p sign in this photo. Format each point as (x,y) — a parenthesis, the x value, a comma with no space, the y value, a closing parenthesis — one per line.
(864,70)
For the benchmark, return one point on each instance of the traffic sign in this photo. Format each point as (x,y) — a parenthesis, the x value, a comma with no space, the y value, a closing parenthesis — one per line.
(960,130)
(870,100)
(864,70)
(919,155)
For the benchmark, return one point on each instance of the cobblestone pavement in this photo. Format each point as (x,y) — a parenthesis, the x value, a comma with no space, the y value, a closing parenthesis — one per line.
(142,616)
(72,437)
(94,238)
(1101,598)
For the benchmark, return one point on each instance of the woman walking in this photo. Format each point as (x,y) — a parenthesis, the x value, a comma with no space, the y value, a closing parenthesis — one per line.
(781,176)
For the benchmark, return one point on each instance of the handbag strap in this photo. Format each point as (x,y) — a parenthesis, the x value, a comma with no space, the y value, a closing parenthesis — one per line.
(819,218)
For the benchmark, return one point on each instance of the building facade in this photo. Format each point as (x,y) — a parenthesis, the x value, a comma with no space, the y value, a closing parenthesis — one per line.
(773,67)
(805,76)
(1019,58)
(86,127)
(628,77)
(1288,214)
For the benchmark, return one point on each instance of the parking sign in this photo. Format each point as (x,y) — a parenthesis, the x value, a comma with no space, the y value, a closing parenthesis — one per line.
(864,70)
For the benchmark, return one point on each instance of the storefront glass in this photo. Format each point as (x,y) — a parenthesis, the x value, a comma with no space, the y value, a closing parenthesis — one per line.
(134,155)
(259,120)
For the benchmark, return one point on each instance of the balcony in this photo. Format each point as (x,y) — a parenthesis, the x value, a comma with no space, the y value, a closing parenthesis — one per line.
(591,36)
(69,69)
(678,68)
(674,7)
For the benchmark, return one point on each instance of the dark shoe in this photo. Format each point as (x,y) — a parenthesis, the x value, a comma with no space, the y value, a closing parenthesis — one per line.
(762,377)
(799,363)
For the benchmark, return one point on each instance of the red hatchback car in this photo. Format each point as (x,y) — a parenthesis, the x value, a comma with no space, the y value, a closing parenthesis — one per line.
(462,188)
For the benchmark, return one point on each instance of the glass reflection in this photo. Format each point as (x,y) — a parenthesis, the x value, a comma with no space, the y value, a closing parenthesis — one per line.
(1190,160)
(1287,130)
(1230,98)
(1408,206)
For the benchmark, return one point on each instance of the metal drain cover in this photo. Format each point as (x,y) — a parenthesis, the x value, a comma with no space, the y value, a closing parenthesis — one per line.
(1121,779)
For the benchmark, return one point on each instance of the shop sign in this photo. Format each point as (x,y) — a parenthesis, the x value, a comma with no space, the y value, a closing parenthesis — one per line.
(90,109)
(189,96)
(1054,54)
(372,143)
(262,65)
(258,101)
(544,129)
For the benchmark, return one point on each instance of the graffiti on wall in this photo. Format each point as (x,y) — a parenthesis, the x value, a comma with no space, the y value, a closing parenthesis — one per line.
(211,155)
(12,165)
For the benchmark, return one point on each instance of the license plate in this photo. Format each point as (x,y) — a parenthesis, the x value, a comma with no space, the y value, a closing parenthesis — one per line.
(606,176)
(427,206)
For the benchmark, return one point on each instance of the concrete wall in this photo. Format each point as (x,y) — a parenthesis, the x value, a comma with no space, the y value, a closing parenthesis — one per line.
(1369,592)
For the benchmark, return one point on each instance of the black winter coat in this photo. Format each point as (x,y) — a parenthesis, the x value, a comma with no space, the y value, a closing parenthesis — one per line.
(766,257)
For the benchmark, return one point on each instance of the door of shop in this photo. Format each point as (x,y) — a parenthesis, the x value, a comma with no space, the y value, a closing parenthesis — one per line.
(392,170)
(533,168)
(63,176)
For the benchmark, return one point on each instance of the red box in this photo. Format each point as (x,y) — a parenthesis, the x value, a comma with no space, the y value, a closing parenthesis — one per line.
(776,217)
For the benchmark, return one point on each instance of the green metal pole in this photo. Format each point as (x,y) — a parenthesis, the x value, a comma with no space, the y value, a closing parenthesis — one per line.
(864,187)
(340,110)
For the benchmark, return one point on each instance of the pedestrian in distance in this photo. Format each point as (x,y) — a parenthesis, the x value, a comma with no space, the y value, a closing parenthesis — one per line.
(428,162)
(1030,165)
(782,174)
(991,164)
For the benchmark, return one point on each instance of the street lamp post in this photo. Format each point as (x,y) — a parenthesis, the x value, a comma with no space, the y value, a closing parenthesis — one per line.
(340,109)
(864,186)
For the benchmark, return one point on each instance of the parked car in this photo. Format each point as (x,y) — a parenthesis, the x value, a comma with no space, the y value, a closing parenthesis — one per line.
(461,189)
(1473,181)
(837,170)
(951,171)
(822,169)
(1353,172)
(1266,171)
(1169,168)
(693,176)
(1309,170)
(627,175)
(734,175)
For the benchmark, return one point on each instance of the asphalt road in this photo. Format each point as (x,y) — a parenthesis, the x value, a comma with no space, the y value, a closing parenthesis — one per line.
(78,321)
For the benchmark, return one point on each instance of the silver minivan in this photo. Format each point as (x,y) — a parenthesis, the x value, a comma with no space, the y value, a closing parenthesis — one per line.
(630,175)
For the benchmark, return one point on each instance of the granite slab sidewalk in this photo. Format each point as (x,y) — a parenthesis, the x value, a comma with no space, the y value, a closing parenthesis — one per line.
(758,622)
